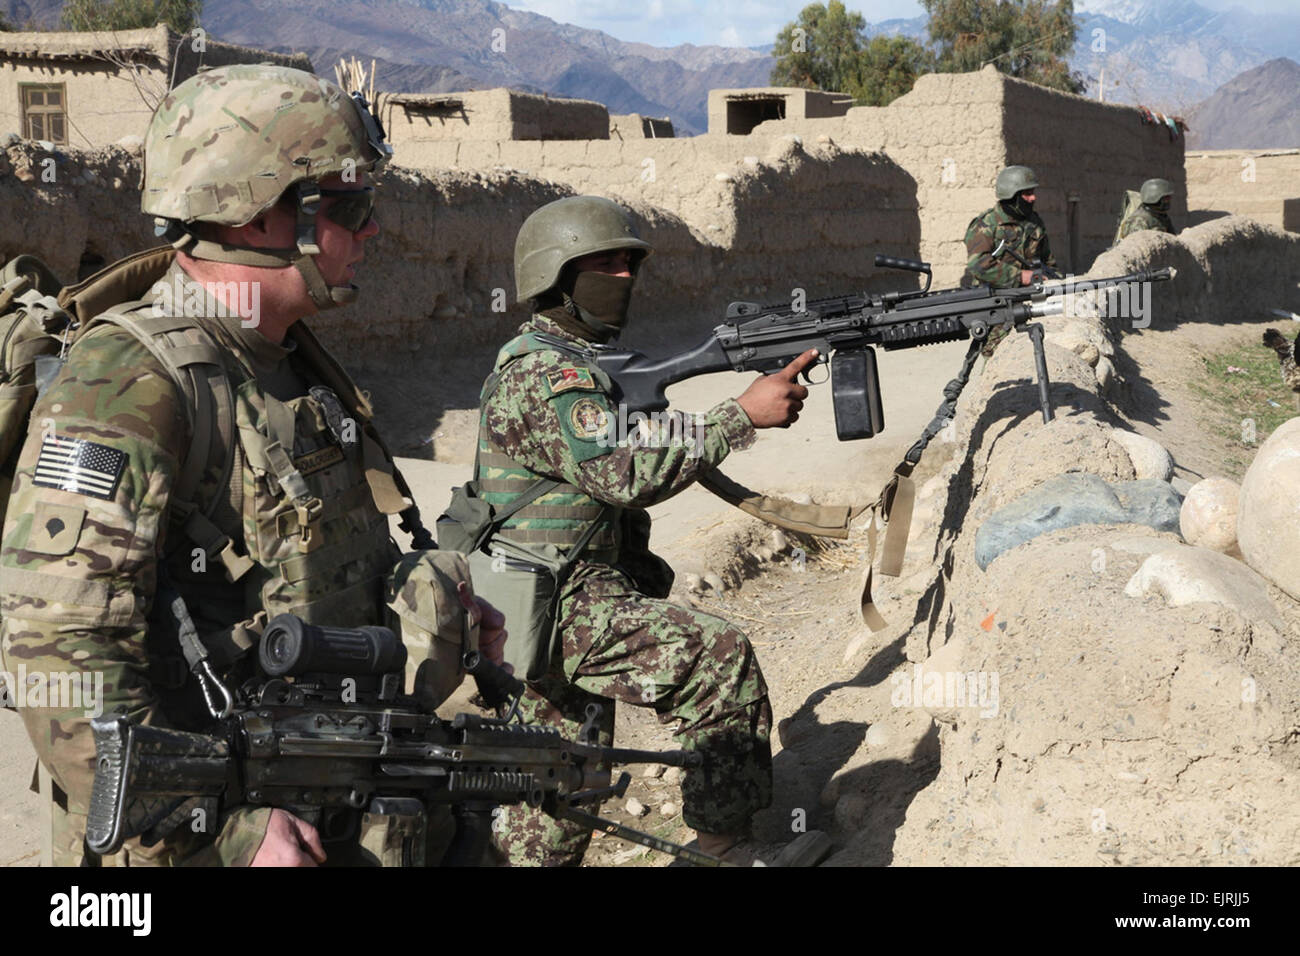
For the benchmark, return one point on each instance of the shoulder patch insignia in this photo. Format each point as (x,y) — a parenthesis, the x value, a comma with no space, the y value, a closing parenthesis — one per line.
(588,419)
(79,466)
(561,380)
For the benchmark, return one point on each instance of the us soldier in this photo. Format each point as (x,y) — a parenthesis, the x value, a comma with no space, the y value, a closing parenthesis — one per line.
(546,414)
(1152,213)
(258,174)
(1016,233)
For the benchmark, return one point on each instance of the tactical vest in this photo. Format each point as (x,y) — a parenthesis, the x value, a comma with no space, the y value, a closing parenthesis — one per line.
(562,514)
(289,506)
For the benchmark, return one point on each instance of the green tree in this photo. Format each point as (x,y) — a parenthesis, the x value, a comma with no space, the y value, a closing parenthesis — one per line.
(826,49)
(181,15)
(888,68)
(1030,39)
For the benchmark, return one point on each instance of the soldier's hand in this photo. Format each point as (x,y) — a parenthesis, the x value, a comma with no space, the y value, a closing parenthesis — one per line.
(492,634)
(1028,276)
(289,841)
(491,626)
(774,401)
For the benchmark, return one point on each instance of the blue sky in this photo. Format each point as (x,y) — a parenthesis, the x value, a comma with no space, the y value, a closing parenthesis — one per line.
(743,22)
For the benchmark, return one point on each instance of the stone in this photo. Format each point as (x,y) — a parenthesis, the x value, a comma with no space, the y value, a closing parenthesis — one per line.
(1105,370)
(132,144)
(1267,530)
(849,811)
(635,807)
(692,581)
(1088,352)
(714,581)
(673,775)
(1071,500)
(668,809)
(653,770)
(878,735)
(777,541)
(1150,458)
(1209,515)
(1186,575)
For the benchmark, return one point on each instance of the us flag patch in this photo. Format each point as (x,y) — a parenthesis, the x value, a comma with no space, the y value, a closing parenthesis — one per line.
(79,466)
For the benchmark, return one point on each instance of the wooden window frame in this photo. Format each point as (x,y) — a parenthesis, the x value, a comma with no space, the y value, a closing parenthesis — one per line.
(44,110)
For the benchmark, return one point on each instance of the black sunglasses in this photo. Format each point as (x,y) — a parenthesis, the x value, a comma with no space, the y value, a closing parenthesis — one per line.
(352,208)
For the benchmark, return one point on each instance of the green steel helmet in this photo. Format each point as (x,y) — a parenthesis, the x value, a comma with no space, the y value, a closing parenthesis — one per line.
(1014,179)
(224,147)
(1154,190)
(565,230)
(225,144)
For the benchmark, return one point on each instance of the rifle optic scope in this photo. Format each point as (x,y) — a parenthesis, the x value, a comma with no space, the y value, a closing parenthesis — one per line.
(290,647)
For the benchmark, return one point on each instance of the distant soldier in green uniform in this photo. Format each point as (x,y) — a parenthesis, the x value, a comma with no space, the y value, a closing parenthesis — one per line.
(548,413)
(1016,233)
(133,492)
(1151,213)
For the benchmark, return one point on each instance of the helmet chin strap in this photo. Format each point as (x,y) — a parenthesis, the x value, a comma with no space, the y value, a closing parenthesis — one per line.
(301,256)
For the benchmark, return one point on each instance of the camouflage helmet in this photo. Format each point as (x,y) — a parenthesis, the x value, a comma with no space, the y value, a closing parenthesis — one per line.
(225,144)
(565,230)
(1014,179)
(1154,190)
(224,147)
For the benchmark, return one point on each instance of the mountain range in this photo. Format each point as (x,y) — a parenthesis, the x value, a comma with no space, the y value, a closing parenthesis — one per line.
(1258,109)
(1165,54)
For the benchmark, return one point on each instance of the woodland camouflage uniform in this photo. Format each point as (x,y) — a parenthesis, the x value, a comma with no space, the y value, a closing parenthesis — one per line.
(92,521)
(1019,227)
(618,640)
(1145,217)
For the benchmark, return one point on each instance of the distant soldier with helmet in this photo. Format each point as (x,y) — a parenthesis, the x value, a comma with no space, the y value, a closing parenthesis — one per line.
(1007,245)
(546,458)
(1151,212)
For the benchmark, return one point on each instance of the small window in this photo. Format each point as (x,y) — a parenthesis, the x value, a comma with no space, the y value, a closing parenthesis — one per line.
(45,112)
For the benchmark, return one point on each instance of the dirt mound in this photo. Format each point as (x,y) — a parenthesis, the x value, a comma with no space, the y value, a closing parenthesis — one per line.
(1077,724)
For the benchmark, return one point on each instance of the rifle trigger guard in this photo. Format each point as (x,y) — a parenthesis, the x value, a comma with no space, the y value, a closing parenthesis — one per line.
(806,374)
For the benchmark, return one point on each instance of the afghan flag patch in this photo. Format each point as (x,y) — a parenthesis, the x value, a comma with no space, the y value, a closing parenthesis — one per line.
(561,380)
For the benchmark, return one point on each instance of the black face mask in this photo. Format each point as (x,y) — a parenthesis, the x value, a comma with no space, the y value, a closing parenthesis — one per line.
(600,302)
(1020,207)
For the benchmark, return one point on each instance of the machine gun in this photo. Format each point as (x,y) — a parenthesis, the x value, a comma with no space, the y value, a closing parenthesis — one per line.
(326,733)
(845,329)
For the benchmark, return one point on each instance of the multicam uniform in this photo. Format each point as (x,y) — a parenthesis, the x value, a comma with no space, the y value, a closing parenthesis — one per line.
(1142,218)
(89,519)
(1025,236)
(617,639)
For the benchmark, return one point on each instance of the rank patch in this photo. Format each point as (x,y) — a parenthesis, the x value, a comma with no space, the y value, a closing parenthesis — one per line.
(561,380)
(588,419)
(79,466)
